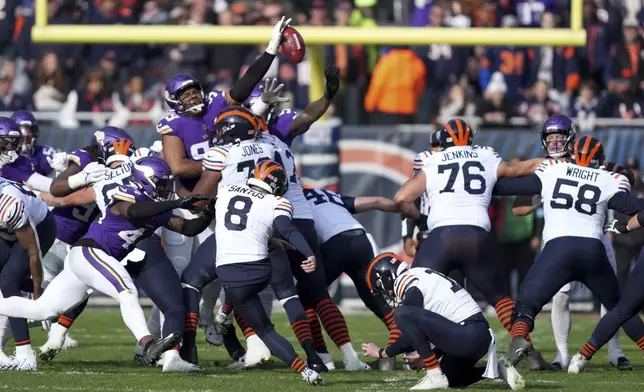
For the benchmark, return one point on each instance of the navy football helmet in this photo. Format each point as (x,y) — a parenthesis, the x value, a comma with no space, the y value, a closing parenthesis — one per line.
(589,152)
(381,275)
(455,133)
(235,124)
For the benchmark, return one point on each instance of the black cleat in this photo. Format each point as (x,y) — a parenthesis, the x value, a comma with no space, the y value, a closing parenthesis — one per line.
(536,362)
(315,363)
(623,364)
(518,350)
(232,344)
(556,366)
(155,348)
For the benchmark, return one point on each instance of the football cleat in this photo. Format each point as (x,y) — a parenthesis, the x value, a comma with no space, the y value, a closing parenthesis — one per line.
(556,366)
(510,374)
(213,336)
(6,362)
(536,362)
(316,364)
(355,365)
(24,363)
(434,379)
(70,342)
(232,343)
(257,351)
(312,377)
(328,360)
(577,364)
(172,363)
(155,348)
(518,350)
(622,364)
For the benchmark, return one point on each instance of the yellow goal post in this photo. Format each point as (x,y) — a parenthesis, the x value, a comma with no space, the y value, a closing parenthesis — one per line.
(314,37)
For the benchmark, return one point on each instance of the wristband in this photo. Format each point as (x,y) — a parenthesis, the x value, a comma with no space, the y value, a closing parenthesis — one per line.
(77,180)
(382,350)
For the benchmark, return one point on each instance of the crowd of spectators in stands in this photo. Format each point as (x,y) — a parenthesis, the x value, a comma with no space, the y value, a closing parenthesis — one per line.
(380,84)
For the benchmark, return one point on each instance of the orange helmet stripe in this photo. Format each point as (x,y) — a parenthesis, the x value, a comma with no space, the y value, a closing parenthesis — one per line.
(373,262)
(264,168)
(238,112)
(462,134)
(583,156)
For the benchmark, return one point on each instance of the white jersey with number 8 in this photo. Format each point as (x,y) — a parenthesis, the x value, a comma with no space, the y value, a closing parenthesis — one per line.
(459,183)
(245,223)
(575,198)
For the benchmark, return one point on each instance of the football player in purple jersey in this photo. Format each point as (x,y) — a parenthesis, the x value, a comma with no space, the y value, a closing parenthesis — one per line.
(16,167)
(38,153)
(133,212)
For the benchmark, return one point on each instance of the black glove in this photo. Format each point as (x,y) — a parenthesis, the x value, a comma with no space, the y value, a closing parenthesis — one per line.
(616,226)
(209,209)
(188,203)
(332,75)
(421,223)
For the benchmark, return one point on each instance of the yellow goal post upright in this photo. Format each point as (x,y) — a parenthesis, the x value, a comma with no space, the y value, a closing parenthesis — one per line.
(314,37)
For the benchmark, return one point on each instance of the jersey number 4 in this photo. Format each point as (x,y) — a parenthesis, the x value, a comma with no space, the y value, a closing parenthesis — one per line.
(468,177)
(587,195)
(239,206)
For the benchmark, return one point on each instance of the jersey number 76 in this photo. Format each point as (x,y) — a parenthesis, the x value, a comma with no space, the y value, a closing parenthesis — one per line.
(468,177)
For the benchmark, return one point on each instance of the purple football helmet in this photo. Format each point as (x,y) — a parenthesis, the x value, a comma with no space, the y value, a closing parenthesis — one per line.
(184,94)
(10,140)
(107,135)
(29,129)
(561,145)
(154,177)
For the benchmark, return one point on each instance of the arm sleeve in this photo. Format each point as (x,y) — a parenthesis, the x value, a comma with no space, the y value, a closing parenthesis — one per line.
(148,209)
(192,227)
(12,212)
(285,227)
(349,203)
(625,203)
(529,185)
(244,86)
(39,182)
(215,159)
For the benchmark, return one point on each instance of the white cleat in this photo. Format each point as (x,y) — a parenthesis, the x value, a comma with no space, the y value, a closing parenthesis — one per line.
(172,363)
(434,379)
(212,335)
(256,352)
(70,342)
(26,363)
(328,360)
(577,364)
(510,374)
(238,365)
(312,377)
(6,362)
(355,365)
(50,349)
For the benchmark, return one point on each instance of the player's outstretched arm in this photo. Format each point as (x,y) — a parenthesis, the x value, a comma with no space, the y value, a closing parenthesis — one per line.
(175,154)
(369,203)
(188,227)
(285,227)
(530,185)
(316,109)
(207,184)
(78,198)
(245,85)
(27,239)
(523,205)
(148,209)
(39,182)
(523,168)
(406,196)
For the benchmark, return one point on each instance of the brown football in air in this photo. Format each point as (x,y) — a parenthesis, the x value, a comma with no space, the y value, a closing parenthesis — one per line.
(293,46)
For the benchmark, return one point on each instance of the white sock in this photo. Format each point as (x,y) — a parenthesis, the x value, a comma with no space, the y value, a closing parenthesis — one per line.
(154,322)
(614,346)
(209,295)
(560,317)
(58,332)
(24,351)
(348,353)
(133,314)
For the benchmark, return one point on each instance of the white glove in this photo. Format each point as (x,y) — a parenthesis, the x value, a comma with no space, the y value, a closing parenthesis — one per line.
(276,39)
(59,161)
(92,173)
(270,96)
(157,146)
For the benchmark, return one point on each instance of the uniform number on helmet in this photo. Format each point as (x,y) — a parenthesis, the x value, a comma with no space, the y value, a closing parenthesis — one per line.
(236,217)
(587,195)
(468,177)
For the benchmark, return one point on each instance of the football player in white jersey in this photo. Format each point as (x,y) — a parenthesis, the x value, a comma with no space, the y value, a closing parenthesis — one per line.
(247,216)
(458,183)
(440,320)
(575,198)
(628,306)
(346,248)
(557,138)
(27,230)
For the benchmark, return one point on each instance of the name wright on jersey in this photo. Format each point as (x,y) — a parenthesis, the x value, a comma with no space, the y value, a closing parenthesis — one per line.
(583,174)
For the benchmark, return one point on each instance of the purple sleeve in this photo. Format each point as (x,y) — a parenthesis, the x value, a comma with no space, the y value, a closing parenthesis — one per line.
(40,159)
(168,124)
(19,171)
(282,126)
(216,102)
(80,157)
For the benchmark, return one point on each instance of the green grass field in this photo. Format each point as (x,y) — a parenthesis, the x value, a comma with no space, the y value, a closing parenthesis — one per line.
(103,363)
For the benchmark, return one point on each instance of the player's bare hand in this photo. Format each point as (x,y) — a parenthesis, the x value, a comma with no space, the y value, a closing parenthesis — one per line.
(270,92)
(48,198)
(308,265)
(370,350)
(535,242)
(414,361)
(410,247)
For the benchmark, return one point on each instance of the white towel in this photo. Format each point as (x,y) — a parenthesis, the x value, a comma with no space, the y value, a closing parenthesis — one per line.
(491,370)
